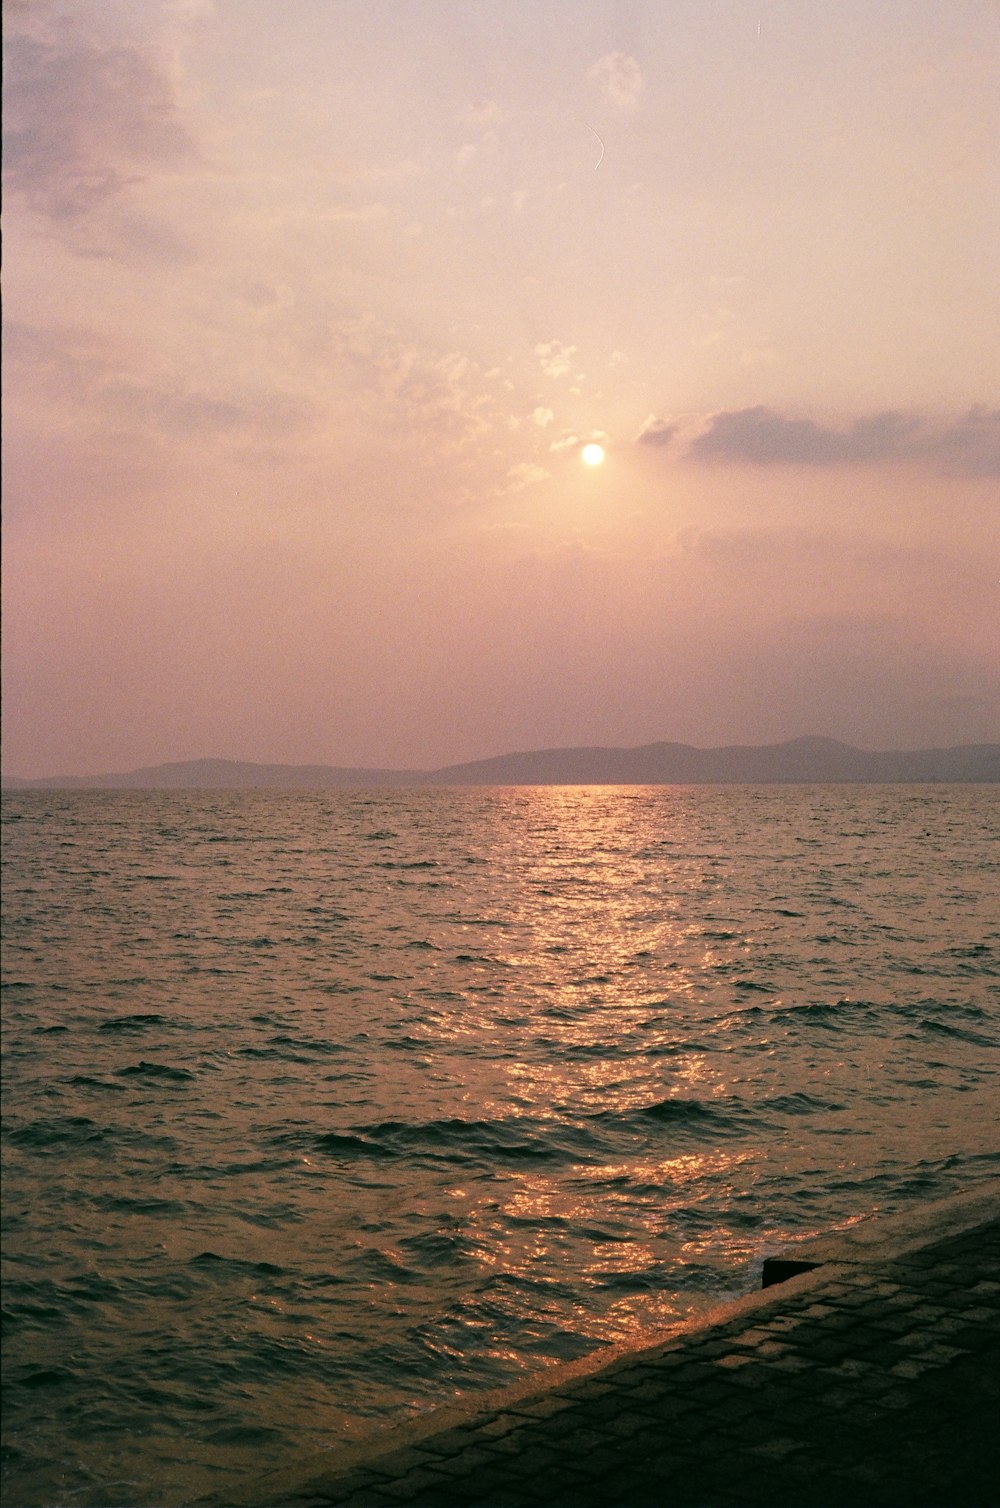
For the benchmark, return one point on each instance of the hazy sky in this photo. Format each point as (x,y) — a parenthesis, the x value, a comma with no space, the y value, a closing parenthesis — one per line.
(310,305)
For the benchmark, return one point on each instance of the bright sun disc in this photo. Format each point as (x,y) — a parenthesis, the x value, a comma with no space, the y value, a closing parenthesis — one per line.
(592,454)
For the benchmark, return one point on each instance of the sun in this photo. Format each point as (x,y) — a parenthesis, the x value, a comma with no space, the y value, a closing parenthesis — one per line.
(592,454)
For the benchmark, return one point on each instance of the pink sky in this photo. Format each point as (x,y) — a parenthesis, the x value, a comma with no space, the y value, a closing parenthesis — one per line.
(309,308)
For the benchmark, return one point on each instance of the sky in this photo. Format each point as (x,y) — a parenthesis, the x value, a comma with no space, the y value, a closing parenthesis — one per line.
(311,306)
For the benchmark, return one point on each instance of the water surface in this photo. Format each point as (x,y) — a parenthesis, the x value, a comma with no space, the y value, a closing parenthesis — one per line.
(325,1108)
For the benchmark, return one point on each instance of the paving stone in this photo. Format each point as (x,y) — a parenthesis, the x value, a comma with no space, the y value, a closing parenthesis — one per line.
(406,1488)
(791,1364)
(912,1367)
(543,1407)
(979,1316)
(778,1448)
(475,1459)
(501,1424)
(755,1337)
(450,1442)
(585,1390)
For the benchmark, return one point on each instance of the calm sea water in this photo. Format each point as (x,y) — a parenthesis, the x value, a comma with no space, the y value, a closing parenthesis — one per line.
(322,1108)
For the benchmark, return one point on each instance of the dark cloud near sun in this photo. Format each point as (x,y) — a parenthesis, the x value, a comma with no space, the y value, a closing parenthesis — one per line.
(761,436)
(83,122)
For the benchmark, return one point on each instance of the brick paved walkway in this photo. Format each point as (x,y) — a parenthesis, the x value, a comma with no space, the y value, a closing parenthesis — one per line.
(865,1382)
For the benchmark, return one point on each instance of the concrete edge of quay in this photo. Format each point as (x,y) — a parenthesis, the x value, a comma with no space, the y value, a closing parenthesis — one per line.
(798,1268)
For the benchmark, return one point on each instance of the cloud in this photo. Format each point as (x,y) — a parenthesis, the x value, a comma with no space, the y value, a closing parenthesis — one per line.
(972,445)
(525,474)
(85,121)
(542,417)
(441,401)
(127,393)
(619,79)
(657,431)
(567,441)
(484,112)
(554,358)
(192,10)
(761,436)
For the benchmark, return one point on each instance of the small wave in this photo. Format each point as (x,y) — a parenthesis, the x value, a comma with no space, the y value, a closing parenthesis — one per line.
(485,1143)
(800,1104)
(824,1013)
(959,1033)
(682,1118)
(437,1246)
(145,1070)
(212,1260)
(484,1139)
(80,1131)
(52,1132)
(342,1144)
(405,1043)
(134,1023)
(694,1113)
(244,1434)
(385,1267)
(306,1044)
(41,1377)
(139,1204)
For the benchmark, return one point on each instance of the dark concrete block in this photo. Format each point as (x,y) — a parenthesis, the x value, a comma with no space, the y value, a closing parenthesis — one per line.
(780,1269)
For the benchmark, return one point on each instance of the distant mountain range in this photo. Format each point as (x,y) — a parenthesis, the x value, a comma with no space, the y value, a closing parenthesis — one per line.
(802,760)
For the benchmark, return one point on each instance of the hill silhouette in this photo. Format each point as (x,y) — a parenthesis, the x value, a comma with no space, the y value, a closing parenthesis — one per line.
(800,760)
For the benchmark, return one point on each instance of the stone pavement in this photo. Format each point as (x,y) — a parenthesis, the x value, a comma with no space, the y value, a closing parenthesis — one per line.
(872,1379)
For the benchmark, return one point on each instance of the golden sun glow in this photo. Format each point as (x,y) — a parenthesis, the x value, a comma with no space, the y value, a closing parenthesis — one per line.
(592,454)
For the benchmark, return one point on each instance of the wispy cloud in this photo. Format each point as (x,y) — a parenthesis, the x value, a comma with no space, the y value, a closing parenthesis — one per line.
(619,79)
(657,431)
(129,394)
(555,359)
(84,122)
(525,474)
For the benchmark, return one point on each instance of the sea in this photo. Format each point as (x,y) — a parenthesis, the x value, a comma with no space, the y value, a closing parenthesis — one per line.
(325,1108)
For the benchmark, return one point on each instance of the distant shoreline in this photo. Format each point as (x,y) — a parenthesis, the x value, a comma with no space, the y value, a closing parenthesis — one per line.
(800,761)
